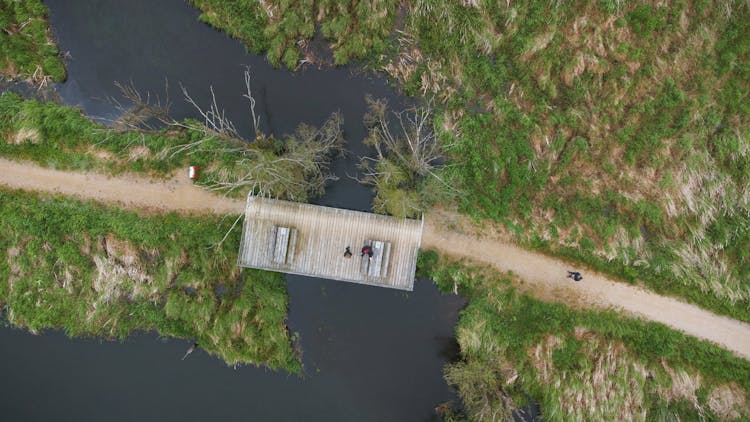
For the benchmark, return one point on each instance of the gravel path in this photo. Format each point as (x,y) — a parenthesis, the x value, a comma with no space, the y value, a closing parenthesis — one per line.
(543,274)
(549,275)
(177,194)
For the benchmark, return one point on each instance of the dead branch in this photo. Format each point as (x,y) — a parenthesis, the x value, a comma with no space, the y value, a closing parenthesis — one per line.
(415,147)
(143,110)
(249,95)
(215,121)
(218,245)
(299,171)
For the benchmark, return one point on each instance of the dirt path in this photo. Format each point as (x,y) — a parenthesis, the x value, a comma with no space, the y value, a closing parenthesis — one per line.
(177,194)
(543,275)
(548,276)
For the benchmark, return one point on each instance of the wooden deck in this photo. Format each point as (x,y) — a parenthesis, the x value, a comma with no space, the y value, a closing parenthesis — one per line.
(310,240)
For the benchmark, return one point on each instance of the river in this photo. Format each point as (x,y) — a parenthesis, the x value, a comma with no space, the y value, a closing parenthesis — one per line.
(370,354)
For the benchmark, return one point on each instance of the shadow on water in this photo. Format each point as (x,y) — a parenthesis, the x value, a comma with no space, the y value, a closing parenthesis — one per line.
(369,353)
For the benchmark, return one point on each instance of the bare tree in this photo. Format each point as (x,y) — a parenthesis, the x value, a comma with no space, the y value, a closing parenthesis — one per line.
(407,152)
(215,121)
(414,147)
(481,389)
(294,169)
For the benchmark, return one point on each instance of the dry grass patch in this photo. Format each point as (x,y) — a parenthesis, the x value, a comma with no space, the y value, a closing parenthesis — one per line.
(139,152)
(728,402)
(684,386)
(24,136)
(609,386)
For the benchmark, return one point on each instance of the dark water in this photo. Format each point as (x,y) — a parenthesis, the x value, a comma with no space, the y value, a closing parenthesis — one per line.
(369,353)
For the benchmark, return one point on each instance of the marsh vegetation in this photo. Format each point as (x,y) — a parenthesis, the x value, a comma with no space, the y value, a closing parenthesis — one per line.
(576,364)
(283,30)
(611,133)
(27,50)
(93,270)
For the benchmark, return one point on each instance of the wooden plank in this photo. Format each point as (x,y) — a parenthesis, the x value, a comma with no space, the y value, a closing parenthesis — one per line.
(282,244)
(292,245)
(386,258)
(377,259)
(272,242)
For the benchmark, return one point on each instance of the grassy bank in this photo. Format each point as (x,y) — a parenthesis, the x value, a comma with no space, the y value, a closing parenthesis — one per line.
(92,270)
(61,137)
(579,365)
(609,132)
(355,29)
(294,167)
(27,50)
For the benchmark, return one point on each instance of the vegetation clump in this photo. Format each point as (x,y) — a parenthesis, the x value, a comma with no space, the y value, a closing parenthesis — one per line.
(93,270)
(578,365)
(357,29)
(403,171)
(27,50)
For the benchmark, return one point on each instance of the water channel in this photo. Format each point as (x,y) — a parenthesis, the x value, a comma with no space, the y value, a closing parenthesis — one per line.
(370,354)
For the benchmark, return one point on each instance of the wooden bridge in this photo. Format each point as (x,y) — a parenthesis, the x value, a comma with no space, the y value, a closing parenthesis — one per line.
(311,240)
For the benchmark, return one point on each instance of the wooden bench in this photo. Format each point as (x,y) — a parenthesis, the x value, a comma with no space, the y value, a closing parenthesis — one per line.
(377,266)
(281,245)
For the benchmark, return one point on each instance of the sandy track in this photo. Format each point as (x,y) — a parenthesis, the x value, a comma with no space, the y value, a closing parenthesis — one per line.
(549,274)
(177,194)
(546,275)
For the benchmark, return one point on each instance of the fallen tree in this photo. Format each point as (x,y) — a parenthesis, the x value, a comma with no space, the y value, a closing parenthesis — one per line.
(295,168)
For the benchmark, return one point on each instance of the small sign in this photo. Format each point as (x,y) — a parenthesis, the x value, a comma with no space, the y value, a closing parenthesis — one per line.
(193,172)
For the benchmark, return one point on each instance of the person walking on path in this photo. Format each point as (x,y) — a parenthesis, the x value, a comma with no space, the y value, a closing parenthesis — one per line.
(575,275)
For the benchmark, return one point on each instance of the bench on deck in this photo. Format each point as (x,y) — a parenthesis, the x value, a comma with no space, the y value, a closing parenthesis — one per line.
(377,266)
(281,245)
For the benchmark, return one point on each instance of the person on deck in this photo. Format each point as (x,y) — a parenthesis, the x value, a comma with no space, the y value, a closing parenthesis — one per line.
(367,250)
(347,253)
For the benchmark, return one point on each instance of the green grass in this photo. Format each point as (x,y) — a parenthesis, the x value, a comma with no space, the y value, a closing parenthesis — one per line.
(27,50)
(558,353)
(92,270)
(356,29)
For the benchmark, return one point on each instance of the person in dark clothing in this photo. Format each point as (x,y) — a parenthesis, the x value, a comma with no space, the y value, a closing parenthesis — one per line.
(347,253)
(367,250)
(575,275)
